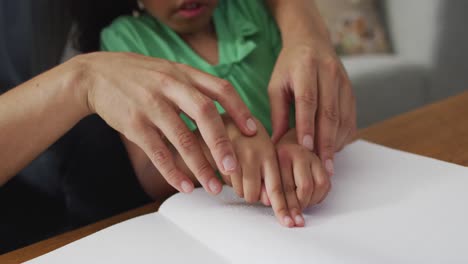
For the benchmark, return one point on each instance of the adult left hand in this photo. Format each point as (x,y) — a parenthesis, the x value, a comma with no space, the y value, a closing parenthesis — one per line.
(310,74)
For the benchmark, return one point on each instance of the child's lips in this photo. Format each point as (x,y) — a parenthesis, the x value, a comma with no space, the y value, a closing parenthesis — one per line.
(191,9)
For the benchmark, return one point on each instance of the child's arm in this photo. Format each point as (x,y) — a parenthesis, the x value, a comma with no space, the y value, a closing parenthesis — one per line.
(304,177)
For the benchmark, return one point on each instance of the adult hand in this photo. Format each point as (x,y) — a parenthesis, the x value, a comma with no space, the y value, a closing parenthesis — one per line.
(310,74)
(142,97)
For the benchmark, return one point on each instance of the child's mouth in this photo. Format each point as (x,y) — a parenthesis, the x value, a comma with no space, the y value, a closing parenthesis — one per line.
(191,9)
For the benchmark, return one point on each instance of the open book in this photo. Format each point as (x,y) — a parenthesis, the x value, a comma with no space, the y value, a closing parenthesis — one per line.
(386,206)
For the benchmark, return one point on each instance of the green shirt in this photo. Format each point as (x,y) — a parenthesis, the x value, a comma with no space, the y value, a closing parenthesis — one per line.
(248,44)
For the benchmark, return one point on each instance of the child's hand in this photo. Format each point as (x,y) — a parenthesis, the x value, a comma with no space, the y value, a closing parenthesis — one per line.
(258,162)
(305,180)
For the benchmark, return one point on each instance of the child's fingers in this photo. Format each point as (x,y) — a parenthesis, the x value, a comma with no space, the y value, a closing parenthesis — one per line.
(304,181)
(275,193)
(227,179)
(237,184)
(321,183)
(252,182)
(290,192)
(264,196)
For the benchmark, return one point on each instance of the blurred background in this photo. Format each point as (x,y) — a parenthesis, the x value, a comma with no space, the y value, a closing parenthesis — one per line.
(400,55)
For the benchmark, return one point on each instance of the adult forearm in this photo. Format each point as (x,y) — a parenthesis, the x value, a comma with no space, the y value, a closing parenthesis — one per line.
(297,19)
(37,113)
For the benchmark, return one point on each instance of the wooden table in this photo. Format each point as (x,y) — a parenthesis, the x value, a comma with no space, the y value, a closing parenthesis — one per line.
(439,130)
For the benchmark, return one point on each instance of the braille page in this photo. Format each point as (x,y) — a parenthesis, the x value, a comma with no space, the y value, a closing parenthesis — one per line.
(146,239)
(386,206)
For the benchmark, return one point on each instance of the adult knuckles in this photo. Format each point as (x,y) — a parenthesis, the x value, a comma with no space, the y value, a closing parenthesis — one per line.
(165,80)
(225,88)
(347,123)
(221,144)
(307,97)
(204,107)
(171,175)
(204,172)
(308,53)
(331,65)
(186,139)
(151,95)
(161,158)
(134,123)
(331,113)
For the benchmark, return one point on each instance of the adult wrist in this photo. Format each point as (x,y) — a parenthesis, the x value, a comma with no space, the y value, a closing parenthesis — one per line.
(78,84)
(299,22)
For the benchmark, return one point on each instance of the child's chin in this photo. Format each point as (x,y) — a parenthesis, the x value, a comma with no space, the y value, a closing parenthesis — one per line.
(191,26)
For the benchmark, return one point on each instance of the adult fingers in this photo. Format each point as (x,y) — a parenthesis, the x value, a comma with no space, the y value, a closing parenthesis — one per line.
(186,144)
(222,91)
(275,192)
(289,188)
(321,184)
(149,140)
(306,97)
(202,109)
(304,181)
(328,114)
(347,113)
(279,105)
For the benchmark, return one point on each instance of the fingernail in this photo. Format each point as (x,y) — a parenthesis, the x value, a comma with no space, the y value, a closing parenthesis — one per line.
(329,167)
(288,221)
(229,163)
(214,185)
(308,142)
(299,220)
(186,187)
(251,125)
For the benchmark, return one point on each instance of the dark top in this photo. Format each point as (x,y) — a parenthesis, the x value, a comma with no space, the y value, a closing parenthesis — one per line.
(86,175)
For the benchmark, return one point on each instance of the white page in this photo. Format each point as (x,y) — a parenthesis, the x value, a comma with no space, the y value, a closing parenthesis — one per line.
(146,239)
(386,206)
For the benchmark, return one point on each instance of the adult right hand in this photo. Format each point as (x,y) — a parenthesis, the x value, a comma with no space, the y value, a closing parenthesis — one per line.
(141,97)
